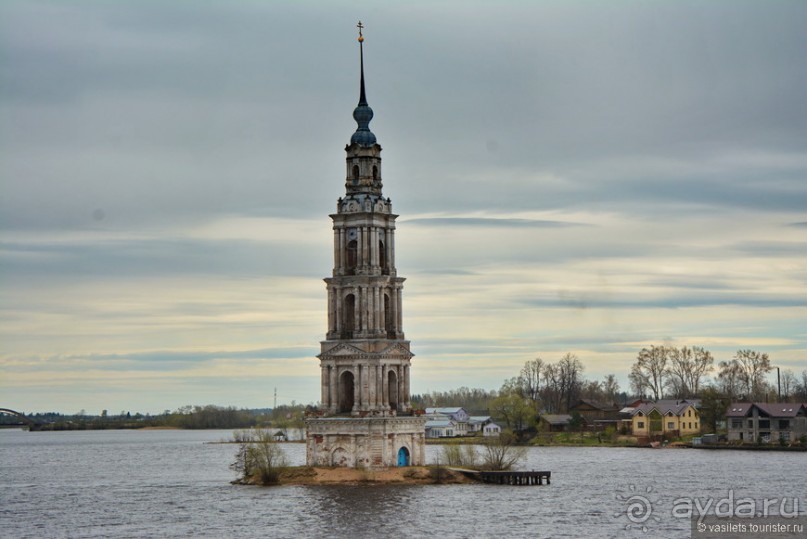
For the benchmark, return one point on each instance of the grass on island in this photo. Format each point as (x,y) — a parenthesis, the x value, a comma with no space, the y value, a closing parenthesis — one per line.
(315,475)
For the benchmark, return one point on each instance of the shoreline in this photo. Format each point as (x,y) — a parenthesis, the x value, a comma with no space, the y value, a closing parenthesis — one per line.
(408,475)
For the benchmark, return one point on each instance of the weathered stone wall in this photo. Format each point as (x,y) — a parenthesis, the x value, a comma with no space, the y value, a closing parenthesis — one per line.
(364,442)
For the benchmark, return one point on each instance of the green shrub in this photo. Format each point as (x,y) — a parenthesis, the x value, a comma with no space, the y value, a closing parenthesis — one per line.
(259,459)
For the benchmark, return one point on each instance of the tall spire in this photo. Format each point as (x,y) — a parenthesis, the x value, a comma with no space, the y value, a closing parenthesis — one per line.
(362,96)
(362,113)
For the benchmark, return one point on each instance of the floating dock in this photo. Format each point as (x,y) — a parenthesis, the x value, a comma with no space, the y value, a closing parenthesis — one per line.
(521,478)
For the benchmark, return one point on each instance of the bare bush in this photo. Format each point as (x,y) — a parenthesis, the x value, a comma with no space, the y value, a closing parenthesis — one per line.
(259,459)
(501,453)
(462,455)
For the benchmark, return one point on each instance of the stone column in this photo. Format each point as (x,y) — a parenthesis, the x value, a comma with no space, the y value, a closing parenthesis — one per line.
(337,310)
(331,311)
(365,386)
(325,393)
(341,251)
(379,308)
(379,387)
(391,248)
(334,390)
(357,386)
(371,384)
(406,386)
(400,387)
(336,257)
(371,307)
(394,314)
(364,254)
(376,254)
(357,310)
(364,308)
(399,304)
(384,389)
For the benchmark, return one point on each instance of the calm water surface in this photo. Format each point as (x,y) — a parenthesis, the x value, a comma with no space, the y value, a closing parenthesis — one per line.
(176,484)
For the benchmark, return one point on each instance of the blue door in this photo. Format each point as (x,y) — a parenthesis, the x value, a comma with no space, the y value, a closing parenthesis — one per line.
(403,457)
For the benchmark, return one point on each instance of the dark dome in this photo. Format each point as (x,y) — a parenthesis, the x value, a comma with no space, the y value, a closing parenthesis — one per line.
(363,136)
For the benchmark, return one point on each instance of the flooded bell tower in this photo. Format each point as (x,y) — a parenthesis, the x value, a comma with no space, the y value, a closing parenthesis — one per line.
(365,416)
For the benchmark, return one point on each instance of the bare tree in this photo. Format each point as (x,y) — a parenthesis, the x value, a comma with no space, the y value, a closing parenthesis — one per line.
(501,453)
(649,373)
(610,389)
(530,378)
(571,379)
(728,380)
(687,367)
(788,383)
(551,394)
(800,391)
(753,366)
(592,390)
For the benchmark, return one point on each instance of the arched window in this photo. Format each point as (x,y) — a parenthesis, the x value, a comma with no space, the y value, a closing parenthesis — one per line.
(382,257)
(355,174)
(348,316)
(352,257)
(393,390)
(346,390)
(388,325)
(375,174)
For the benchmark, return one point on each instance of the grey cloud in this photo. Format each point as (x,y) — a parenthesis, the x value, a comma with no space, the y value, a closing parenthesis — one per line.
(489,222)
(677,301)
(772,248)
(127,259)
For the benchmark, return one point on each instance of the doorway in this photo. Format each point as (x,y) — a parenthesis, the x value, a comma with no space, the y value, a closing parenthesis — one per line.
(403,457)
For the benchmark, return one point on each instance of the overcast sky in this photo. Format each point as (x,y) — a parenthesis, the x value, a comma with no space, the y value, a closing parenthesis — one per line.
(583,177)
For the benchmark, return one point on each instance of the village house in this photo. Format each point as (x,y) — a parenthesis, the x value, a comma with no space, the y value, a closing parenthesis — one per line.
(457,415)
(483,424)
(440,428)
(554,422)
(597,415)
(491,429)
(476,422)
(666,417)
(766,422)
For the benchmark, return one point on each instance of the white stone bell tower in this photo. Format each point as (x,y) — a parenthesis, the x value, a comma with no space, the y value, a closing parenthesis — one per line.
(365,360)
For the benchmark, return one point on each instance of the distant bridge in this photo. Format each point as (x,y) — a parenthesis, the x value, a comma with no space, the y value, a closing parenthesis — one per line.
(22,417)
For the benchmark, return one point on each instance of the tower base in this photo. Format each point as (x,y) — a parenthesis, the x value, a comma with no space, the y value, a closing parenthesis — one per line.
(366,442)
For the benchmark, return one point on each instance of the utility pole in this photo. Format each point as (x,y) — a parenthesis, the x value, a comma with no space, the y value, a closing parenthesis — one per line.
(779,383)
(275,405)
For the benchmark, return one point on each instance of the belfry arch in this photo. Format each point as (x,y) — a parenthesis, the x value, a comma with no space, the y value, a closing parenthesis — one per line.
(382,257)
(352,259)
(392,390)
(349,316)
(347,387)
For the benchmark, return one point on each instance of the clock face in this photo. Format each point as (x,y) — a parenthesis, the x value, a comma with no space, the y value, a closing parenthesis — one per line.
(352,234)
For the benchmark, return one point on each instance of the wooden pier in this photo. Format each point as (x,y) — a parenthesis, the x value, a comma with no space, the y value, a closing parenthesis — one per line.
(507,477)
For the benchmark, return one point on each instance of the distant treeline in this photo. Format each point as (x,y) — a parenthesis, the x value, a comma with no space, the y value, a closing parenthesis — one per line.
(187,417)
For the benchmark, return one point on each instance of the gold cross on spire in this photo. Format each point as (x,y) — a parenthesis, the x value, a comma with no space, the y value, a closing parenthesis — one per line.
(360,26)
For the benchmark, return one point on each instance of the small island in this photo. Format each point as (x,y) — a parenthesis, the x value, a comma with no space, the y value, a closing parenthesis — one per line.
(314,475)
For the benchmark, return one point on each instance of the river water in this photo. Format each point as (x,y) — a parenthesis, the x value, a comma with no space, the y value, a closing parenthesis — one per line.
(173,483)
